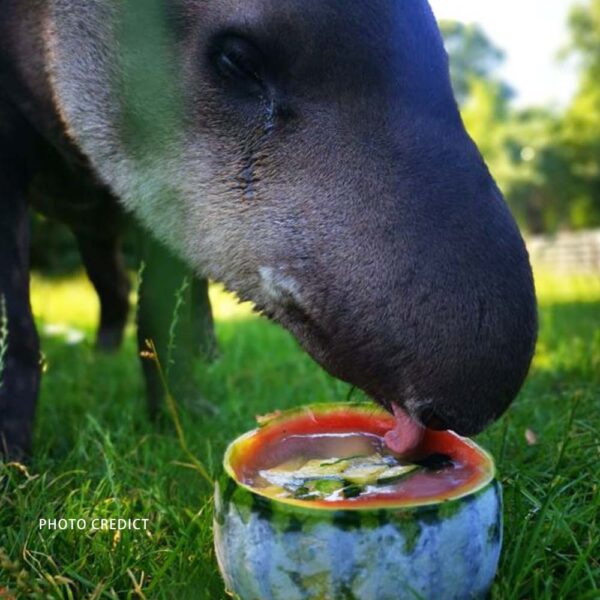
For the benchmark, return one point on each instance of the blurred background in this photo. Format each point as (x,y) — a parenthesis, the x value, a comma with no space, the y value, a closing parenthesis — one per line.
(527,77)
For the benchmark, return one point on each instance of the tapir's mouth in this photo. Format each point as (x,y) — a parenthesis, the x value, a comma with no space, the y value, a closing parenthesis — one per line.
(407,433)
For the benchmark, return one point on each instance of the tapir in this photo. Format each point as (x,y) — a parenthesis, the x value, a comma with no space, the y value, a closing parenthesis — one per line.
(308,154)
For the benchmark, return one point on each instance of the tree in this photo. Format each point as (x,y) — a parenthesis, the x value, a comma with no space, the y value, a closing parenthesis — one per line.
(522,150)
(473,57)
(547,164)
(584,26)
(535,171)
(581,125)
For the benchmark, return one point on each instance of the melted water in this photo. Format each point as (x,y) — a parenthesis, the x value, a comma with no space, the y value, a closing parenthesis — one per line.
(289,453)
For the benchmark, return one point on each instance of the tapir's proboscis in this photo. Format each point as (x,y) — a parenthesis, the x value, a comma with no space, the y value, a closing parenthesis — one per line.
(308,154)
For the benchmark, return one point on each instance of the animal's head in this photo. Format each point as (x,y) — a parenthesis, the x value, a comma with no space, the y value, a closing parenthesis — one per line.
(311,156)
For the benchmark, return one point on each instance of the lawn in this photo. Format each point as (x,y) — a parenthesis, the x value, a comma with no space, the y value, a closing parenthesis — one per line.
(97,455)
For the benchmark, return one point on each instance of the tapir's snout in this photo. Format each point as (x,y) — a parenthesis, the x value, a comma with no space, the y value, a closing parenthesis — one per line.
(396,264)
(421,294)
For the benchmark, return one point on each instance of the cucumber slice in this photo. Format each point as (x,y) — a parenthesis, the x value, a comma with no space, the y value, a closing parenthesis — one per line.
(394,474)
(335,461)
(281,478)
(373,459)
(363,474)
(318,478)
(328,486)
(315,469)
(284,476)
(304,493)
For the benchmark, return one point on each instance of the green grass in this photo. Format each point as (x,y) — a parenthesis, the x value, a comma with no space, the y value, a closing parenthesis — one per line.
(96,455)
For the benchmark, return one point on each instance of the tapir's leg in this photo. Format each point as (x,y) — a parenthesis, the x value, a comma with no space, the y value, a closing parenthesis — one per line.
(104,265)
(205,342)
(19,345)
(178,326)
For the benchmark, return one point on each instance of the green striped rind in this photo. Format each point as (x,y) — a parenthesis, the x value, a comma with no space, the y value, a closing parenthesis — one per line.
(269,550)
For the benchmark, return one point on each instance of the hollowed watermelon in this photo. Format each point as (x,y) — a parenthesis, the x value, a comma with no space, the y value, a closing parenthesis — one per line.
(438,538)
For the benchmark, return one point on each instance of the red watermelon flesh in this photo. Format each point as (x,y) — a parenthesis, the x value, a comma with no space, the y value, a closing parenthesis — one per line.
(312,433)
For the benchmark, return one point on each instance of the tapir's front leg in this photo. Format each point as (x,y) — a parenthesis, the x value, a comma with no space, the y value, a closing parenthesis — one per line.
(19,365)
(174,311)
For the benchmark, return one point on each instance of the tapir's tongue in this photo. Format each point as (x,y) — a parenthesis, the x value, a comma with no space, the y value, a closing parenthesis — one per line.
(407,433)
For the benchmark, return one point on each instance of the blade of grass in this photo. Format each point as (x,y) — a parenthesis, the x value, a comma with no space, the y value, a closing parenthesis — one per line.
(519,558)
(152,354)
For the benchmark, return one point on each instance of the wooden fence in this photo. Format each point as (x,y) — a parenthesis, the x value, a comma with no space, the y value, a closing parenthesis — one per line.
(567,252)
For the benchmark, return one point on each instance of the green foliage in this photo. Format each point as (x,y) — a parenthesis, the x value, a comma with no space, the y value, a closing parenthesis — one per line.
(581,127)
(584,25)
(546,163)
(53,247)
(484,113)
(473,57)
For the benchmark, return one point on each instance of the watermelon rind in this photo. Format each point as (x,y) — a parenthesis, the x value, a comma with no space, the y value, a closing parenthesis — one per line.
(286,549)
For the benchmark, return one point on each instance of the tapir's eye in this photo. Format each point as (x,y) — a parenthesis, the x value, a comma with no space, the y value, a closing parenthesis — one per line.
(239,63)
